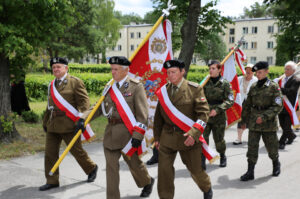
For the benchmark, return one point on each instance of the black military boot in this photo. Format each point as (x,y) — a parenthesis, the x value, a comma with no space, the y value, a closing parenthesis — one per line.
(249,175)
(209,194)
(154,158)
(203,163)
(276,167)
(223,160)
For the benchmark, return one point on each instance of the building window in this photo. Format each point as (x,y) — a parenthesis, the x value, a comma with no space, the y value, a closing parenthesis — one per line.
(245,30)
(270,44)
(231,40)
(231,31)
(132,47)
(245,45)
(113,48)
(120,35)
(270,29)
(138,35)
(119,47)
(254,30)
(253,45)
(270,60)
(132,35)
(253,60)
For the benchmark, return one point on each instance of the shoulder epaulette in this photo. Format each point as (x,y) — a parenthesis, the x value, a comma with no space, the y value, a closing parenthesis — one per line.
(193,84)
(71,76)
(134,80)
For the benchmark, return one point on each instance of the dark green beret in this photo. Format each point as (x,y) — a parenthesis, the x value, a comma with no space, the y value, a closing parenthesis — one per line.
(120,60)
(58,60)
(212,62)
(260,65)
(174,63)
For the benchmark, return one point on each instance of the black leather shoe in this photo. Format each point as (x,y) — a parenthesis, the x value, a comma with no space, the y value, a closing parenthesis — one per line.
(249,175)
(46,187)
(92,176)
(291,140)
(223,160)
(276,168)
(153,160)
(147,190)
(208,195)
(281,146)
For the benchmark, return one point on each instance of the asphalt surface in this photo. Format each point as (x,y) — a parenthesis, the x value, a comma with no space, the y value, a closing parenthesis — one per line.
(20,178)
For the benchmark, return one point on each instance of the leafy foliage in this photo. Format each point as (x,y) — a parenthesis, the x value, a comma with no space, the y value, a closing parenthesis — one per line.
(30,116)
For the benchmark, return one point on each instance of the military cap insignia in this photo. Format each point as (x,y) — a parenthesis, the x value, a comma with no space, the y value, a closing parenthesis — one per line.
(113,60)
(278,100)
(126,84)
(255,68)
(230,96)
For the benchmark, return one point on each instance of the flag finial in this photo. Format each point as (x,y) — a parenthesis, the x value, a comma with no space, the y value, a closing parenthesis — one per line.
(170,7)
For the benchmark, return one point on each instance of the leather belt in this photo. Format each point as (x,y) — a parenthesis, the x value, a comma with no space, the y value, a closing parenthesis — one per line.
(115,121)
(215,102)
(58,113)
(175,128)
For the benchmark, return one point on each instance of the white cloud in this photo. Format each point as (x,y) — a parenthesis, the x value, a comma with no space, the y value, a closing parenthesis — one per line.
(139,7)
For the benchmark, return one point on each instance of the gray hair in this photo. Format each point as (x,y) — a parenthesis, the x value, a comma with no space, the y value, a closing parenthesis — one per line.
(291,64)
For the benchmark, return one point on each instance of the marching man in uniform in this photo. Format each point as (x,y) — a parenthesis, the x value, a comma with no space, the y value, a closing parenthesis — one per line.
(58,122)
(180,118)
(126,107)
(260,110)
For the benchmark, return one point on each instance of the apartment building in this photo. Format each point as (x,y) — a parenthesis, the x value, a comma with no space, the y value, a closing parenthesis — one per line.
(259,38)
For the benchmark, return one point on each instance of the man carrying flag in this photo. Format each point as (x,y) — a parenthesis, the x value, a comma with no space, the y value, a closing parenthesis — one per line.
(180,119)
(125,106)
(66,97)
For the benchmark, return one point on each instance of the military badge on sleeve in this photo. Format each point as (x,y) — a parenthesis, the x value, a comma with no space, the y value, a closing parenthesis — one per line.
(231,97)
(278,100)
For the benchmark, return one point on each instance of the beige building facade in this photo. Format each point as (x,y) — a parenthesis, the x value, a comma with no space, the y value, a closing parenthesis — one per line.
(259,38)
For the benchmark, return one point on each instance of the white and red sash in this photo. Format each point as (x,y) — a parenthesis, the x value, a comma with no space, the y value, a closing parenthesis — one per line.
(129,121)
(69,110)
(289,107)
(183,122)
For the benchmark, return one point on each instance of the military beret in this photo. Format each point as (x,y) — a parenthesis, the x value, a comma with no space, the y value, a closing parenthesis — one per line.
(120,60)
(174,63)
(58,60)
(212,62)
(260,65)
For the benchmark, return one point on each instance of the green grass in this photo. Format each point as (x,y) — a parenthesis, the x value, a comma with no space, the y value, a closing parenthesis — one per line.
(34,136)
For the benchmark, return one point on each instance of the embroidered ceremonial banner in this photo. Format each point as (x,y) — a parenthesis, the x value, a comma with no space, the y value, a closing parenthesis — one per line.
(183,122)
(70,111)
(147,66)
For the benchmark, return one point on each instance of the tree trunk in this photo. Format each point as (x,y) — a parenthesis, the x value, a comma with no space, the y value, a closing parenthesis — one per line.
(189,33)
(103,58)
(5,104)
(98,58)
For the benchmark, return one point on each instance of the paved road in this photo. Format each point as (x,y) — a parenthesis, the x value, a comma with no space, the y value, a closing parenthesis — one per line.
(21,177)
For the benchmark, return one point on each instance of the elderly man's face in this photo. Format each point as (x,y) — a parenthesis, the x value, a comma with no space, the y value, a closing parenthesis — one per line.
(59,70)
(118,72)
(288,71)
(249,73)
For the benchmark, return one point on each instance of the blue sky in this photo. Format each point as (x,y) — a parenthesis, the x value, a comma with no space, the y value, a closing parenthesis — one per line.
(227,7)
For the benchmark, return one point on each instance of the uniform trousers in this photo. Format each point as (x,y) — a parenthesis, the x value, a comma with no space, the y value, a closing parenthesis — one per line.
(53,142)
(166,172)
(136,166)
(218,130)
(271,142)
(286,125)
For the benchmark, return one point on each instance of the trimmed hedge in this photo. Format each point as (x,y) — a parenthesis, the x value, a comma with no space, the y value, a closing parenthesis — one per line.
(37,84)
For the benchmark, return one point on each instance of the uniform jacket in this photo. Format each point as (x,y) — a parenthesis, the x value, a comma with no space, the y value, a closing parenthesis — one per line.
(290,89)
(116,136)
(219,92)
(265,102)
(73,91)
(190,100)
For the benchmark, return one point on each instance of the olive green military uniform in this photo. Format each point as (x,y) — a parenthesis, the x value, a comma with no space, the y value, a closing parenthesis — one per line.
(60,127)
(190,100)
(116,137)
(264,102)
(219,97)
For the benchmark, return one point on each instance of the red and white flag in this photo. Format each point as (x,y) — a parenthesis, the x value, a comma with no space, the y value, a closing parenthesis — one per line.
(240,57)
(230,74)
(147,66)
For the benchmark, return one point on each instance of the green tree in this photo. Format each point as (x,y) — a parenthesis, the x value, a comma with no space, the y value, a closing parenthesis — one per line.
(106,29)
(127,18)
(258,10)
(288,40)
(24,27)
(212,47)
(191,23)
